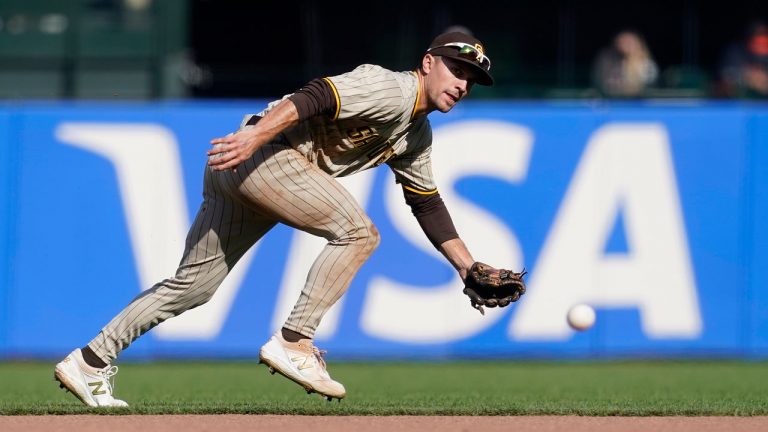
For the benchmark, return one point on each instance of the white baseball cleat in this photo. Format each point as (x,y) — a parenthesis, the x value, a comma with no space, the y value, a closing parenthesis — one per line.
(302,363)
(91,385)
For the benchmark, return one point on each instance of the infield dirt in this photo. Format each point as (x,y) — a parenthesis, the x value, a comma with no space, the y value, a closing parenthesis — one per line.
(236,423)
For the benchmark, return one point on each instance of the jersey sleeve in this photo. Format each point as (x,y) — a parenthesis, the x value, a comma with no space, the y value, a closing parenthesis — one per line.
(313,99)
(368,92)
(413,169)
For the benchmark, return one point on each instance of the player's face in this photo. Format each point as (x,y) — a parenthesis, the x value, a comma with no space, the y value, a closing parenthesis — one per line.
(448,82)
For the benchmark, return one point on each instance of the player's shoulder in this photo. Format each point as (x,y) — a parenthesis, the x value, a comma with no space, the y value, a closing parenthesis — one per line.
(377,77)
(373,71)
(407,80)
(371,68)
(378,69)
(369,72)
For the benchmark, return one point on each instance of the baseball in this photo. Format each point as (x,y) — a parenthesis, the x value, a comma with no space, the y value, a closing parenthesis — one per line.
(581,317)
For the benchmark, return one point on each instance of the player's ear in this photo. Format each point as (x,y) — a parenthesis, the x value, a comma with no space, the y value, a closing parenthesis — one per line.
(427,63)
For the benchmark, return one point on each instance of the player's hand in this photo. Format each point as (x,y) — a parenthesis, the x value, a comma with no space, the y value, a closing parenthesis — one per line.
(230,151)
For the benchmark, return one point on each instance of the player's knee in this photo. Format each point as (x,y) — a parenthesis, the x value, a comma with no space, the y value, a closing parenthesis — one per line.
(369,238)
(202,298)
(372,237)
(183,292)
(363,234)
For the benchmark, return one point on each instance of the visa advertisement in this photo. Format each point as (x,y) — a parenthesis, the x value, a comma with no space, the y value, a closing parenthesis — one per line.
(654,214)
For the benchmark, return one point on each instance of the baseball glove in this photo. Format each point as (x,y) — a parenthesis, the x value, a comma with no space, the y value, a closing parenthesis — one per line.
(491,287)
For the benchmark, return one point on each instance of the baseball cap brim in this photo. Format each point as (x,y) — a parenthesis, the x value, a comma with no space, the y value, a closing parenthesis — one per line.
(483,76)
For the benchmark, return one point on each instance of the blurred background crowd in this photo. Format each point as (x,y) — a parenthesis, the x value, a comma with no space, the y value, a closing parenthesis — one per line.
(171,49)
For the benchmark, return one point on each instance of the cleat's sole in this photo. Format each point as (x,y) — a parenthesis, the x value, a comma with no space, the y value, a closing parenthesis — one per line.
(309,390)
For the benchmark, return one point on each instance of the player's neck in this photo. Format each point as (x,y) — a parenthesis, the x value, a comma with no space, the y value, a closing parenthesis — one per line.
(422,107)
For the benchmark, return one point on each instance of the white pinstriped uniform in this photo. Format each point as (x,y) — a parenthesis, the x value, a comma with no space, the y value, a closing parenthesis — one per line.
(290,180)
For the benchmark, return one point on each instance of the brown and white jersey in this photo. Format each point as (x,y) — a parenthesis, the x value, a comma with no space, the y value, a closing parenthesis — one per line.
(373,124)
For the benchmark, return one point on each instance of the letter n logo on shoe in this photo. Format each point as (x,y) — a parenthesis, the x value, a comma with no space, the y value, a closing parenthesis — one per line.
(304,362)
(97,388)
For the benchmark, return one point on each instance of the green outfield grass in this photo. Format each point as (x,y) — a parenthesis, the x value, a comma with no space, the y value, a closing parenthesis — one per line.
(465,388)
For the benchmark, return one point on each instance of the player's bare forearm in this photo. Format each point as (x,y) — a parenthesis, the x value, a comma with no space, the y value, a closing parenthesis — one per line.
(457,253)
(231,150)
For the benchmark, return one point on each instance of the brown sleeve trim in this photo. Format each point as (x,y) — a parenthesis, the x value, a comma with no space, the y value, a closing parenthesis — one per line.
(315,98)
(432,215)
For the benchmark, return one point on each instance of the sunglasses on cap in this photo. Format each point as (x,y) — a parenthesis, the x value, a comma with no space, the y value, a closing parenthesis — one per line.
(469,52)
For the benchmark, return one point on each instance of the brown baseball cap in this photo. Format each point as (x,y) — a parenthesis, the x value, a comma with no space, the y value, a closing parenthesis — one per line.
(466,49)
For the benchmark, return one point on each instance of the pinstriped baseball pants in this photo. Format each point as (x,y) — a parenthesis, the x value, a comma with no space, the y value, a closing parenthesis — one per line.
(277,184)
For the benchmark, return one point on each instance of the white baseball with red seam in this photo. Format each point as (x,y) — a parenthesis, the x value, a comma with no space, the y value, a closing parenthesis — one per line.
(581,317)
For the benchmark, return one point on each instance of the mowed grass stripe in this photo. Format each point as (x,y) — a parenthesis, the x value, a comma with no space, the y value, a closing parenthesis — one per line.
(454,388)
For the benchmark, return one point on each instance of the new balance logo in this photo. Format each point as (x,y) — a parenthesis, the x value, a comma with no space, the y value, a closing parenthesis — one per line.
(97,388)
(304,362)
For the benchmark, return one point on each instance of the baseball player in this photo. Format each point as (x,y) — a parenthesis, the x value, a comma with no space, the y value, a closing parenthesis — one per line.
(279,167)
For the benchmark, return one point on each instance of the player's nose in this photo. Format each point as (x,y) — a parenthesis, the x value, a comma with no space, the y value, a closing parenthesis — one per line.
(462,86)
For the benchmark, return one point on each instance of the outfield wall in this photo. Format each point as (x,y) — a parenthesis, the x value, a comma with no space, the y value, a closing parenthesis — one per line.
(653,213)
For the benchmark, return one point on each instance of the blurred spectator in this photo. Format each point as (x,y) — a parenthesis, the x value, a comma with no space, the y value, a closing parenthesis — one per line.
(744,67)
(625,68)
